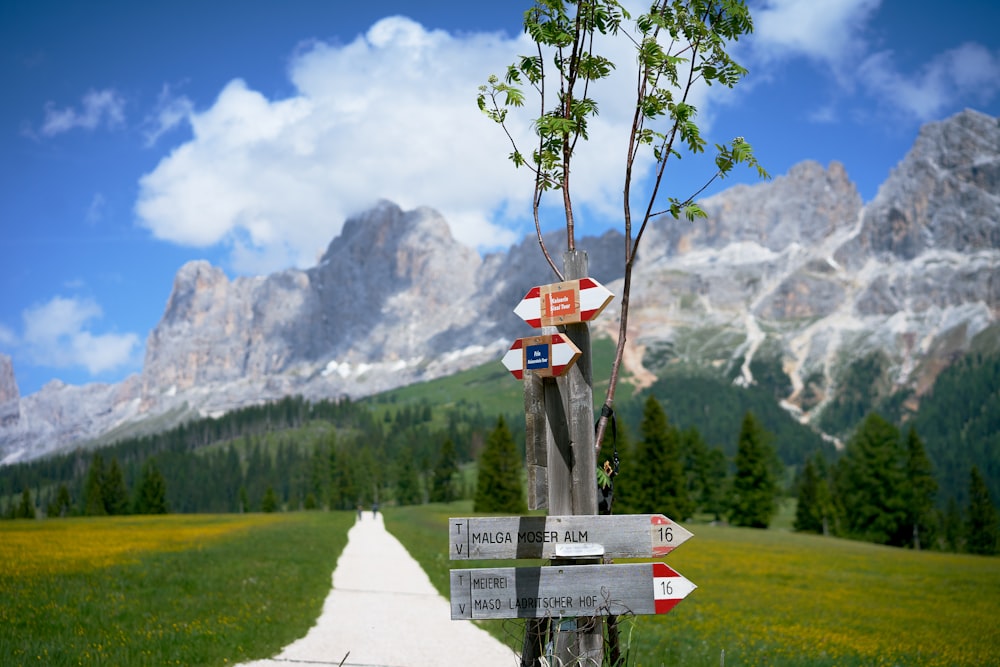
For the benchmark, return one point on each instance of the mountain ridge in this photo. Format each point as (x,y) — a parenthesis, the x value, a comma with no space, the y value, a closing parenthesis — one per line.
(797,271)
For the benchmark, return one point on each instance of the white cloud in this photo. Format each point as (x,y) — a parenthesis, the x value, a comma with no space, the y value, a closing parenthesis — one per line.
(826,31)
(170,112)
(835,34)
(57,334)
(101,107)
(391,114)
(969,72)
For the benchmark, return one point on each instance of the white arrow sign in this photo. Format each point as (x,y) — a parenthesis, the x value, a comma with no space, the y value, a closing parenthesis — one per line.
(568,302)
(546,356)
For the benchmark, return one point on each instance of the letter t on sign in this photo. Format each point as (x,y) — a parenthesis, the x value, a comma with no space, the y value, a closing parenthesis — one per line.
(459,538)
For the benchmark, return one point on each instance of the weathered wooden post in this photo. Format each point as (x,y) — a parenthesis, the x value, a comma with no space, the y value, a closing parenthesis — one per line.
(572,469)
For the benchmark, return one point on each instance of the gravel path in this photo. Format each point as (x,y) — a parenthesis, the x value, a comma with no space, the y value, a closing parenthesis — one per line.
(384,612)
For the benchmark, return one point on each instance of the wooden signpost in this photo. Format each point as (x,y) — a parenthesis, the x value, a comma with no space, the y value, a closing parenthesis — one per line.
(568,302)
(546,356)
(561,460)
(566,591)
(573,536)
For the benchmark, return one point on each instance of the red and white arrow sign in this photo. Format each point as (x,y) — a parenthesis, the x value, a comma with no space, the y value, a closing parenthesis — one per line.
(669,588)
(579,590)
(546,356)
(568,302)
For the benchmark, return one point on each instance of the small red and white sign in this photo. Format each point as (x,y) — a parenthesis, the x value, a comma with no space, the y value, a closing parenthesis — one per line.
(669,587)
(569,302)
(545,356)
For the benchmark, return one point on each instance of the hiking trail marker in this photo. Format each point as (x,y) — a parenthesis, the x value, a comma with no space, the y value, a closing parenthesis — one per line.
(573,536)
(569,302)
(546,356)
(565,591)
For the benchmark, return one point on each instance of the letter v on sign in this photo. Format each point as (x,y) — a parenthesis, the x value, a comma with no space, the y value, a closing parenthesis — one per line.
(569,302)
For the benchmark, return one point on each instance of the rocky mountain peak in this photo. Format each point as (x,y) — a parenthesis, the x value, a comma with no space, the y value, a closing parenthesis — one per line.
(197,286)
(10,395)
(803,207)
(942,196)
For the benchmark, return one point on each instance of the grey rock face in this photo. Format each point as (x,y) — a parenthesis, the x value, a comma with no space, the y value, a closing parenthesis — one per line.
(10,395)
(795,267)
(942,196)
(804,207)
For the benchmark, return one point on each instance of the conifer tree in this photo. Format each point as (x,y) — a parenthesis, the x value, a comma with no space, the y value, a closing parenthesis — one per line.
(952,526)
(269,503)
(815,510)
(151,492)
(715,485)
(755,486)
(498,487)
(659,484)
(114,491)
(337,474)
(26,510)
(443,483)
(921,488)
(694,459)
(233,479)
(93,492)
(407,480)
(318,486)
(871,481)
(62,505)
(982,529)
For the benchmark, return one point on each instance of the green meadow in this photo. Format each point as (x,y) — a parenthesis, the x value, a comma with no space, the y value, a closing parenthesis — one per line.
(221,589)
(167,590)
(773,597)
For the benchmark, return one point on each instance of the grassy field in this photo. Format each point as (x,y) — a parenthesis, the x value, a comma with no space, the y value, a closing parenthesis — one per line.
(780,598)
(170,590)
(214,590)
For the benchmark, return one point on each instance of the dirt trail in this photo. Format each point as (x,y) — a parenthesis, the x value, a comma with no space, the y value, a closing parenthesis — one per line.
(384,612)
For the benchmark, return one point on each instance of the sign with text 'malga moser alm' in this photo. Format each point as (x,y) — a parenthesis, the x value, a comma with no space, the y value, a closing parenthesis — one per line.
(619,536)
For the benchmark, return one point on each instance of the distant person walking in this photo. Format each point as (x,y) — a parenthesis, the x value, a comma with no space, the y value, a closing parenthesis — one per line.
(374,510)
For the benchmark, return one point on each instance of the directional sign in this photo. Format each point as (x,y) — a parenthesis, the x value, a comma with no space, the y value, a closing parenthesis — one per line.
(568,302)
(576,590)
(545,356)
(620,536)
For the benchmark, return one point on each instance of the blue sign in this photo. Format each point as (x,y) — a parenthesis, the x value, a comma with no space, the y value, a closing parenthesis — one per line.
(536,357)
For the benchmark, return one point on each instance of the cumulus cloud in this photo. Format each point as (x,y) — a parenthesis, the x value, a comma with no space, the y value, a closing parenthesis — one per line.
(98,107)
(969,72)
(170,112)
(828,31)
(58,334)
(391,114)
(838,36)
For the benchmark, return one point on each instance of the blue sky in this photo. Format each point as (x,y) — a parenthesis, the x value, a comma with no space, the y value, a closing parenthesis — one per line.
(136,136)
